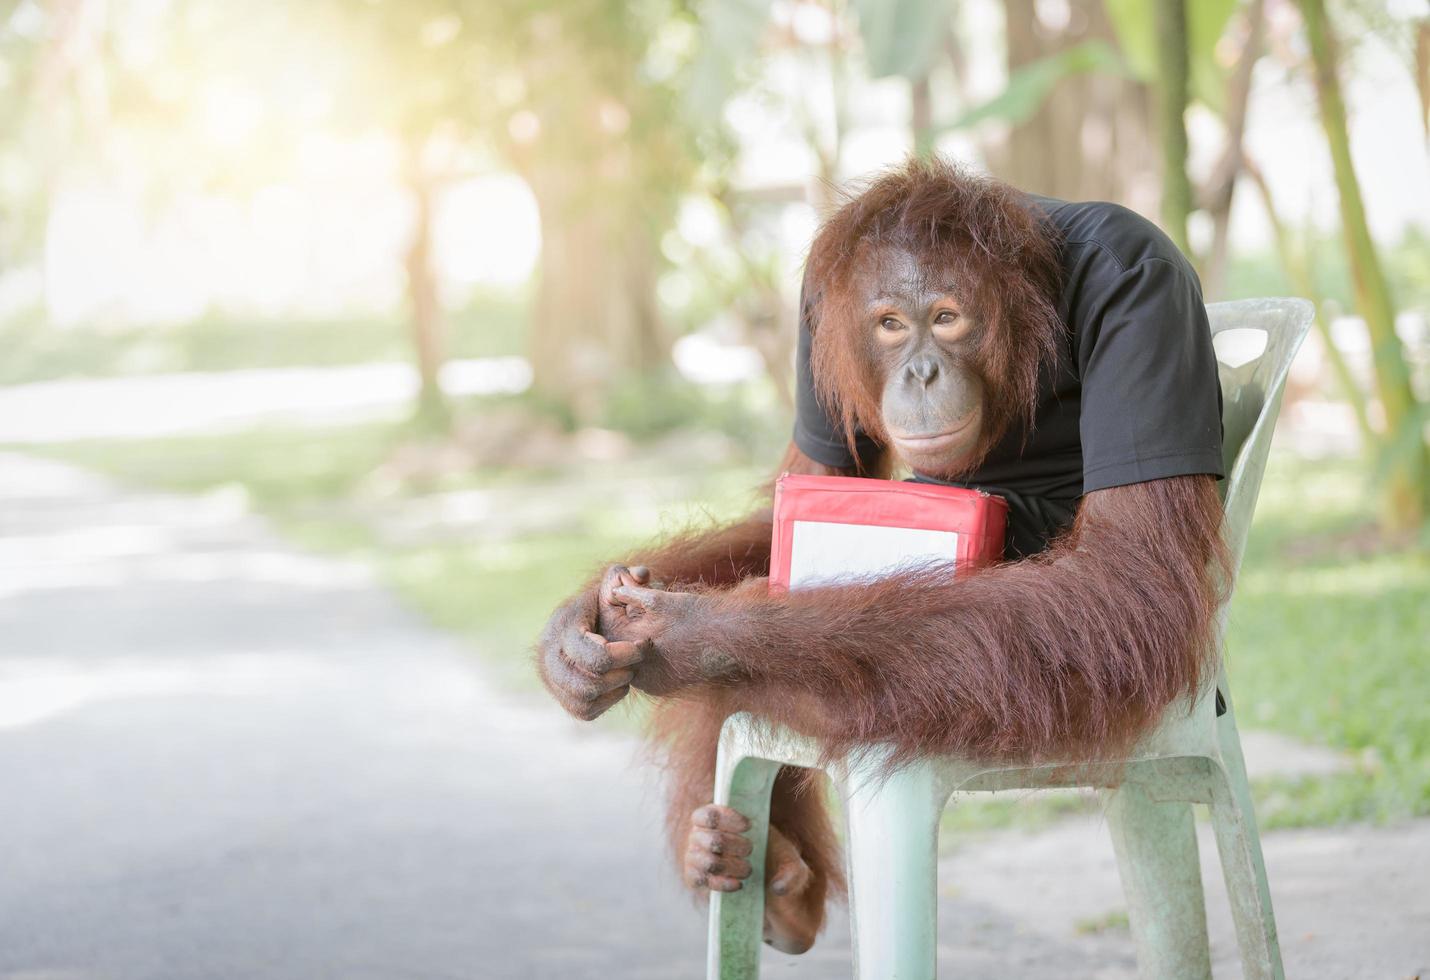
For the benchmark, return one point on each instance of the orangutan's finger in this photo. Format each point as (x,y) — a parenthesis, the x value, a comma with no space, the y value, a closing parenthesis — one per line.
(618,575)
(623,654)
(592,653)
(721,842)
(585,650)
(717,817)
(604,703)
(695,878)
(581,693)
(636,599)
(719,865)
(612,577)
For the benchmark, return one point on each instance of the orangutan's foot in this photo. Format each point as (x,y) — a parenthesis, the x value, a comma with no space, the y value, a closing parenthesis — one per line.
(793,910)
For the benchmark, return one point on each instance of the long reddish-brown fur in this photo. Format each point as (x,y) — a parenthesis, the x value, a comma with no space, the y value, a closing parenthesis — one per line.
(975,231)
(1068,655)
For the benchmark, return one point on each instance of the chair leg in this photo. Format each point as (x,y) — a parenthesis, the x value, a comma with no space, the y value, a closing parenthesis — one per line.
(737,918)
(893,870)
(1156,845)
(1242,863)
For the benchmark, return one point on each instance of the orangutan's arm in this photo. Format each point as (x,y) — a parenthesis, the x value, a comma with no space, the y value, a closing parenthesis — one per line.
(585,673)
(1073,652)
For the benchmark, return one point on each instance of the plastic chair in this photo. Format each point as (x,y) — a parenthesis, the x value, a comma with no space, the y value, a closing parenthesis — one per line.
(1193,756)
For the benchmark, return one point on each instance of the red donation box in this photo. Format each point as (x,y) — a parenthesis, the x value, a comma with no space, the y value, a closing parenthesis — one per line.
(836,528)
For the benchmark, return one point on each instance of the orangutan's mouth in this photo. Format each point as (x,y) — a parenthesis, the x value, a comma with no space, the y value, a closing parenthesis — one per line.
(933,442)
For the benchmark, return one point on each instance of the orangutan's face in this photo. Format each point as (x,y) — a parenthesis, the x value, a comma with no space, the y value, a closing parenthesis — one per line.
(923,346)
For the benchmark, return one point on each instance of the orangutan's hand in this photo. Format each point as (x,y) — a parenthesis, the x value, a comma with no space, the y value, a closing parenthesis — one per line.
(584,671)
(667,628)
(717,857)
(611,613)
(646,614)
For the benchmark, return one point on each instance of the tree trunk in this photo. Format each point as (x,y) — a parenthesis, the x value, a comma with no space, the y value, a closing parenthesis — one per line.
(595,320)
(428,334)
(1221,187)
(1173,81)
(1407,494)
(1031,160)
(1091,138)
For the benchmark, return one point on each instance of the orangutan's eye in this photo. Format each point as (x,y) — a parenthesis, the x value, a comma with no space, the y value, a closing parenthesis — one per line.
(949,326)
(891,325)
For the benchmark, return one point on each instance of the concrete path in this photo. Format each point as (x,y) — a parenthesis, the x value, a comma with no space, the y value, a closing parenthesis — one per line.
(222,757)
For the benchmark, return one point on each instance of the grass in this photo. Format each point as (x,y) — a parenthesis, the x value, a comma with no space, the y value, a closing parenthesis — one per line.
(283,471)
(1329,641)
(1329,637)
(973,813)
(1114,921)
(493,324)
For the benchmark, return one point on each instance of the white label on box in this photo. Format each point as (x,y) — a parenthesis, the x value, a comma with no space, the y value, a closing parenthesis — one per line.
(823,552)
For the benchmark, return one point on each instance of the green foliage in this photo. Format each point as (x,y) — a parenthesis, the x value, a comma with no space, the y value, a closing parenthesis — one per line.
(903,37)
(1133,21)
(1402,448)
(1252,274)
(1030,85)
(729,34)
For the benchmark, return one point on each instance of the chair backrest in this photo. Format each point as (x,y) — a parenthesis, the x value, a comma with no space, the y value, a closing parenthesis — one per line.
(1255,341)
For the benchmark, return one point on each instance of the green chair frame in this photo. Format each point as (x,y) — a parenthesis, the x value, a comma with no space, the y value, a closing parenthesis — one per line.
(1193,756)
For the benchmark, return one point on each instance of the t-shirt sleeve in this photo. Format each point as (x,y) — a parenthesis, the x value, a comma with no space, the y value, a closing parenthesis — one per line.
(817,435)
(1151,399)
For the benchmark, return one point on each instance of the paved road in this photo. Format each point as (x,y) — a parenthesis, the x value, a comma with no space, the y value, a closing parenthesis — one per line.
(221,757)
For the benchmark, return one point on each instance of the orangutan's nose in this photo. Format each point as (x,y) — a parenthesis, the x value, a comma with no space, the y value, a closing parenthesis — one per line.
(923,369)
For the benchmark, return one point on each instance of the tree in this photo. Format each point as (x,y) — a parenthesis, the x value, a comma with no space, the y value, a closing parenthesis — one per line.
(1407,493)
(553,90)
(606,154)
(419,71)
(428,333)
(55,92)
(1173,92)
(1082,124)
(1217,193)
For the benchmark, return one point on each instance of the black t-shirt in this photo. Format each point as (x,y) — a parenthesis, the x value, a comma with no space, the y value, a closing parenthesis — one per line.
(1134,395)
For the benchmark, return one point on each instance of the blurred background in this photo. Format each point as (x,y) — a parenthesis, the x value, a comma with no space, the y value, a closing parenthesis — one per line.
(340,340)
